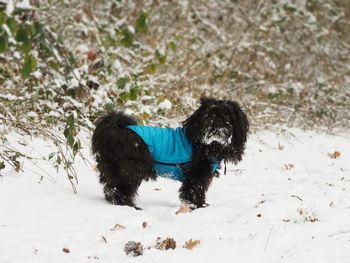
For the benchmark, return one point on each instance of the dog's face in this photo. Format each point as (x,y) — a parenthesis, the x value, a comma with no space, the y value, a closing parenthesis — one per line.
(219,128)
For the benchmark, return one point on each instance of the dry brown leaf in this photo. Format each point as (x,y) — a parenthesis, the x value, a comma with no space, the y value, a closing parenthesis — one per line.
(133,248)
(88,11)
(144,224)
(334,155)
(280,146)
(190,244)
(289,166)
(91,55)
(93,257)
(118,227)
(165,244)
(66,250)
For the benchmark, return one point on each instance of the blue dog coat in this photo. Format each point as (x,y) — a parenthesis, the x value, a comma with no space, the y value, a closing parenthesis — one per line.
(170,149)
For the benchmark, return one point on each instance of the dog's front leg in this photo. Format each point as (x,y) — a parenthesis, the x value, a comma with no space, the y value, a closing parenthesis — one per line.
(196,183)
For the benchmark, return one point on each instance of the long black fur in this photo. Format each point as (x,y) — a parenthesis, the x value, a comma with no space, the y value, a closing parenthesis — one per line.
(123,159)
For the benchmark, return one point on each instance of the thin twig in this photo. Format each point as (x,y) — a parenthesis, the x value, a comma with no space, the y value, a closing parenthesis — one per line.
(297,197)
(268,238)
(339,233)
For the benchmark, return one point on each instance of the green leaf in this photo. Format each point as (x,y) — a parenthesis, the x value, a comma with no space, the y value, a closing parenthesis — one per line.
(70,121)
(151,69)
(134,92)
(124,97)
(54,65)
(29,65)
(71,59)
(172,46)
(66,131)
(36,29)
(26,47)
(161,57)
(51,155)
(141,23)
(58,159)
(70,140)
(2,18)
(45,49)
(2,165)
(3,42)
(121,82)
(12,24)
(109,106)
(22,34)
(127,38)
(76,147)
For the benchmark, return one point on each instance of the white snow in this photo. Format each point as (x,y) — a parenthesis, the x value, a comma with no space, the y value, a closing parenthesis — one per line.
(9,7)
(287,201)
(165,105)
(24,4)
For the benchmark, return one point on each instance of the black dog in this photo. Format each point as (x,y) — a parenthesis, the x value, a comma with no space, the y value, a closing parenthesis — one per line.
(127,153)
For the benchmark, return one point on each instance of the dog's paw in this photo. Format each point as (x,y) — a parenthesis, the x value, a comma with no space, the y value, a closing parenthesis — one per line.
(188,206)
(184,208)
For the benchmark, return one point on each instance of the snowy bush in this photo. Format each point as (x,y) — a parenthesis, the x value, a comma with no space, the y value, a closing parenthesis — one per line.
(286,61)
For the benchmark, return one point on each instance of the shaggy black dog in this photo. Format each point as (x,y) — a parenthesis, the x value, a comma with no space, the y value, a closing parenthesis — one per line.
(127,153)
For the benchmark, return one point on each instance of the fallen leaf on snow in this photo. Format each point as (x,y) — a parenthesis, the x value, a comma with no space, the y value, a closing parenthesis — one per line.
(133,248)
(280,146)
(334,155)
(93,257)
(289,166)
(144,224)
(118,227)
(66,250)
(165,244)
(261,202)
(190,244)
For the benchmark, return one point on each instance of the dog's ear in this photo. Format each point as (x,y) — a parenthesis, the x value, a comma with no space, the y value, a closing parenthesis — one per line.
(240,125)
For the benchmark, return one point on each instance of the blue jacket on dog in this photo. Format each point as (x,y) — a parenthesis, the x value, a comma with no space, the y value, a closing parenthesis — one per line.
(170,149)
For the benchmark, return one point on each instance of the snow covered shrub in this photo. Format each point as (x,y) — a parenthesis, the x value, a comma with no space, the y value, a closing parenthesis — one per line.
(285,61)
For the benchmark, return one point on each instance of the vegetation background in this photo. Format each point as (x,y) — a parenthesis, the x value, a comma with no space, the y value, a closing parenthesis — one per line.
(62,62)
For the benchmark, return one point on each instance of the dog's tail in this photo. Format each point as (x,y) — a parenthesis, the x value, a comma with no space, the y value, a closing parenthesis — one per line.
(108,133)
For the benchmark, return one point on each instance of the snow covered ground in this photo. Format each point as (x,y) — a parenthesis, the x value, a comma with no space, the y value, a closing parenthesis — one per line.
(287,201)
